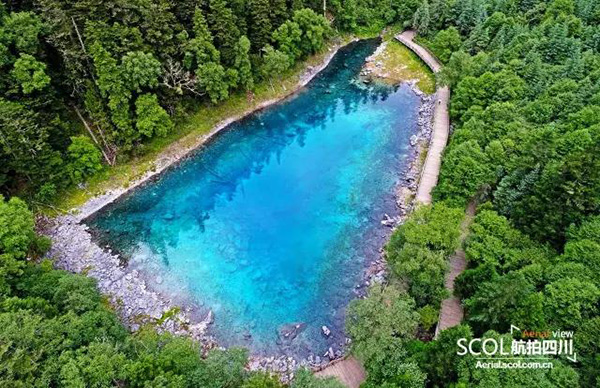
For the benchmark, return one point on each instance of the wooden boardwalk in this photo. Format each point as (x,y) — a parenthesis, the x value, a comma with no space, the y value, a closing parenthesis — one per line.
(407,38)
(451,313)
(441,123)
(349,371)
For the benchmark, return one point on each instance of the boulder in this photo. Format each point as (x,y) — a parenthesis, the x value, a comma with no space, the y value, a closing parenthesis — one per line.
(388,221)
(331,354)
(288,332)
(414,140)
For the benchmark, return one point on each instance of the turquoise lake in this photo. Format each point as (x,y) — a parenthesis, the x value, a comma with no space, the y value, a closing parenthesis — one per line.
(274,221)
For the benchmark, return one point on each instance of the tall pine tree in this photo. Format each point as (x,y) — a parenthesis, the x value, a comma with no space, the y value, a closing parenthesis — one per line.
(260,23)
(242,63)
(279,13)
(422,19)
(225,32)
(199,49)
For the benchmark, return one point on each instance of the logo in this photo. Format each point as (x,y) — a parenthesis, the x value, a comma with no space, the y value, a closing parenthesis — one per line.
(530,349)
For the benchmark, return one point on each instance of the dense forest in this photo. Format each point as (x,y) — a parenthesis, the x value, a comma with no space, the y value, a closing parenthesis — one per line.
(525,78)
(85,84)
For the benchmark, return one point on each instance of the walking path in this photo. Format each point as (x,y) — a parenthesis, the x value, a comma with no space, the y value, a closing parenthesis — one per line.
(441,123)
(451,313)
(349,371)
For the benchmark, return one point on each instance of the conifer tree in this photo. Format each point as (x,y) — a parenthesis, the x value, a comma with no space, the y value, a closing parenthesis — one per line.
(240,11)
(478,40)
(575,68)
(200,49)
(422,19)
(221,22)
(297,5)
(279,13)
(438,11)
(471,13)
(260,23)
(242,63)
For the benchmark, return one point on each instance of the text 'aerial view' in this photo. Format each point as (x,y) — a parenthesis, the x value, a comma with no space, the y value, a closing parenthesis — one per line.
(299,193)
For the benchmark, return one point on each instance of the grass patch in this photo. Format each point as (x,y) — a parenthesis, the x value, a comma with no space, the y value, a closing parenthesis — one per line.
(401,64)
(186,135)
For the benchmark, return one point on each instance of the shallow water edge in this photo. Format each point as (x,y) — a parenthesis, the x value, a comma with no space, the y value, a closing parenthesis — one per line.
(132,293)
(167,161)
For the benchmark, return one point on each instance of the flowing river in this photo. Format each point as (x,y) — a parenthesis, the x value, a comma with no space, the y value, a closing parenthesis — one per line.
(273,221)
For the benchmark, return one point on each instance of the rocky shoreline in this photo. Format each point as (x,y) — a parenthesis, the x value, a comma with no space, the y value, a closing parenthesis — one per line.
(130,292)
(135,302)
(406,189)
(74,250)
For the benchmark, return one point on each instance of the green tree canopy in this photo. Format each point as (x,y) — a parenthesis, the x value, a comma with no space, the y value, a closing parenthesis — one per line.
(84,158)
(30,74)
(152,119)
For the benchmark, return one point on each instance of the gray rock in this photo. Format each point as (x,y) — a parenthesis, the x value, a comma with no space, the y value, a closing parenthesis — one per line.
(331,354)
(288,332)
(388,221)
(414,140)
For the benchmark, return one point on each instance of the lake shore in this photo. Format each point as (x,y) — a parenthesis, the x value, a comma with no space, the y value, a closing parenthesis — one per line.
(171,158)
(406,189)
(130,291)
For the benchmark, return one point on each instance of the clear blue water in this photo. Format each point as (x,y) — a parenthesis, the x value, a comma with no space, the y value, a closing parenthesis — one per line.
(273,221)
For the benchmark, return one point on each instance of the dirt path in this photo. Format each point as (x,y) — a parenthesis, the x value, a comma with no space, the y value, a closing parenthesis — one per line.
(441,123)
(406,38)
(451,313)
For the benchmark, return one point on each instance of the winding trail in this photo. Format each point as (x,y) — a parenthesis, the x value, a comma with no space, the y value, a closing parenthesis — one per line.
(350,371)
(451,312)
